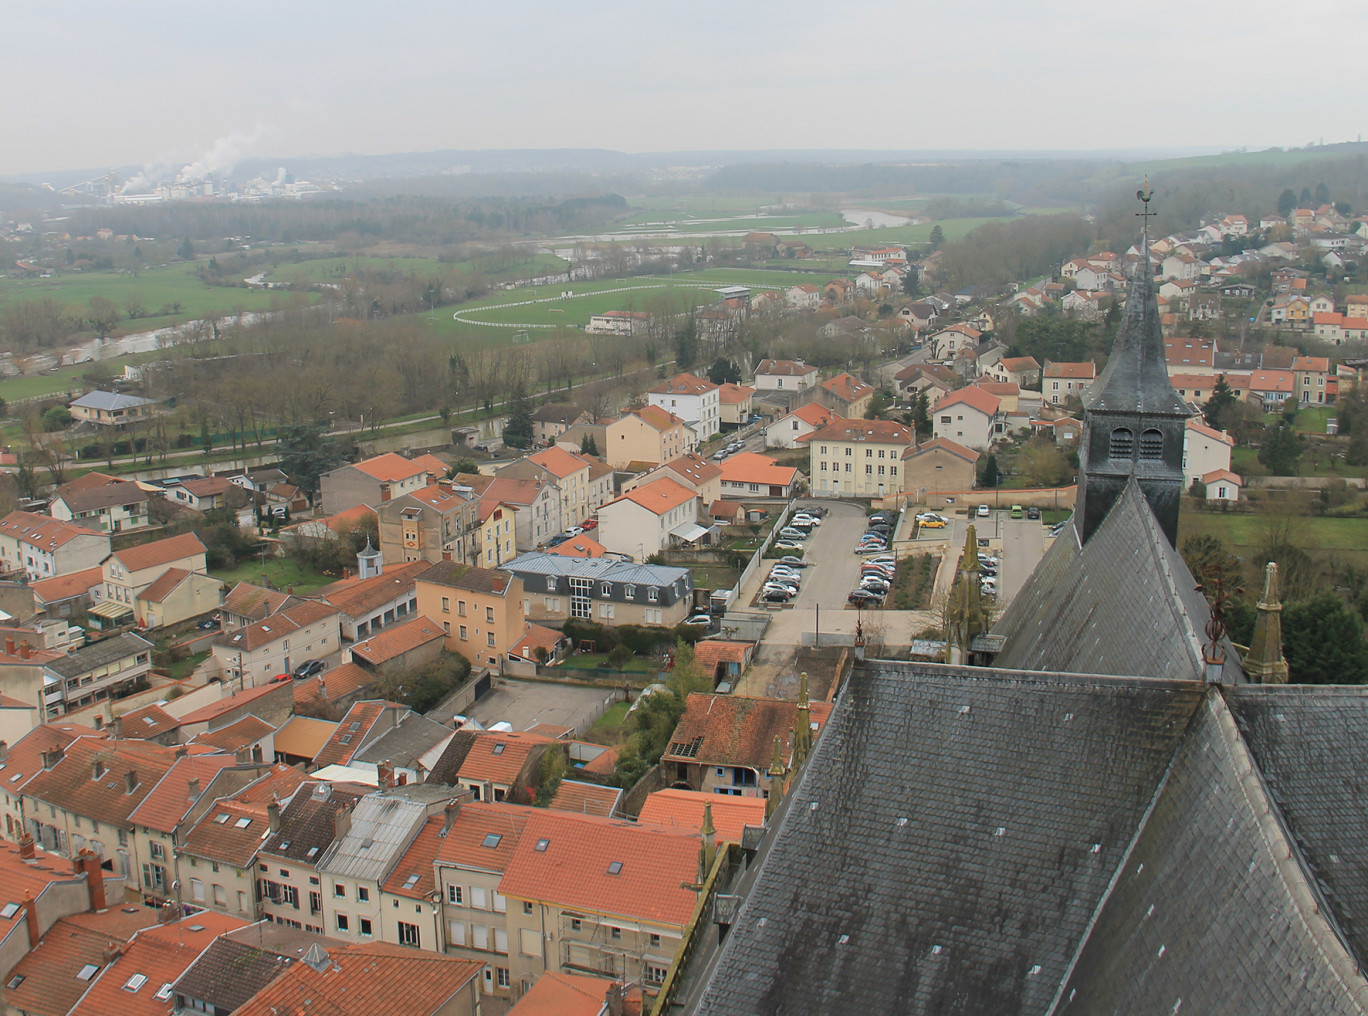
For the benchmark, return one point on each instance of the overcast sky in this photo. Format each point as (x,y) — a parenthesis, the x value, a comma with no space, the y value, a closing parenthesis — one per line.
(122,82)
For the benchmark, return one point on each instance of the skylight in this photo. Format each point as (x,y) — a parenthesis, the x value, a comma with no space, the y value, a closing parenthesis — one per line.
(542,844)
(87,972)
(9,910)
(243,822)
(410,882)
(285,845)
(615,868)
(135,982)
(499,748)
(165,992)
(313,852)
(492,839)
(14,981)
(222,817)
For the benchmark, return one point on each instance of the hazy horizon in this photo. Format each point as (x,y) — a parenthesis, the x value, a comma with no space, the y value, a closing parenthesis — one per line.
(163,85)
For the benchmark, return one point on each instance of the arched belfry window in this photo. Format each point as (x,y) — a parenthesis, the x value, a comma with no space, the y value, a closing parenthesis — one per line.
(1122,441)
(1151,444)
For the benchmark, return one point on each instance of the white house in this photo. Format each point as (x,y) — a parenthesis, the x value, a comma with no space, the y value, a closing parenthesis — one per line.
(693,399)
(792,429)
(804,296)
(784,376)
(648,519)
(968,417)
(1205,450)
(1222,485)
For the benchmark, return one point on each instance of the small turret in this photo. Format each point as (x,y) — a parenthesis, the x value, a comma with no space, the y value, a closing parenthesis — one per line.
(369,562)
(965,616)
(1264,663)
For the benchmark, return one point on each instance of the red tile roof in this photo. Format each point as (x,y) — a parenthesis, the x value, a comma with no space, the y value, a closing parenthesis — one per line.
(693,468)
(968,454)
(708,653)
(159,552)
(684,384)
(587,798)
(788,368)
(605,866)
(158,955)
(50,984)
(72,783)
(238,734)
(356,597)
(65,587)
(657,418)
(332,684)
(343,520)
(876,431)
(534,636)
(147,722)
(19,877)
(209,486)
(971,396)
(558,462)
(580,546)
(499,757)
(211,712)
(1085,371)
(41,531)
(417,860)
(684,808)
(303,736)
(161,588)
(752,467)
(731,730)
(25,756)
(1019,363)
(365,979)
(847,387)
(351,734)
(734,395)
(1194,424)
(255,602)
(233,829)
(557,994)
(391,467)
(166,806)
(658,496)
(468,842)
(398,639)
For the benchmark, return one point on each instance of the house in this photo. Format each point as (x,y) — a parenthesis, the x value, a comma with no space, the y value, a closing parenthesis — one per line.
(480,610)
(408,647)
(583,481)
(558,994)
(730,815)
(790,429)
(68,596)
(735,402)
(177,595)
(554,419)
(692,471)
(1180,266)
(804,296)
(694,399)
(1204,449)
(1309,377)
(498,532)
(1021,370)
(647,519)
(579,546)
(750,475)
(304,828)
(206,493)
(938,464)
(838,291)
(246,604)
(1271,388)
(609,591)
(437,523)
(600,895)
(376,480)
(846,396)
(857,458)
(949,341)
(536,504)
(919,316)
(618,322)
(492,765)
(539,644)
(1063,380)
(253,655)
(41,547)
(111,409)
(784,376)
(30,753)
(650,434)
(724,744)
(129,571)
(722,660)
(1222,485)
(1190,356)
(113,507)
(368,604)
(969,416)
(1293,310)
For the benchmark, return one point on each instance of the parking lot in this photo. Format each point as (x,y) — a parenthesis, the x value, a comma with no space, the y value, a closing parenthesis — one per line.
(1017,543)
(525,704)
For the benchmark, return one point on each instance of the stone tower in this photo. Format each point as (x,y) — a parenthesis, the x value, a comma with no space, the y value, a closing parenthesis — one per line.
(1133,420)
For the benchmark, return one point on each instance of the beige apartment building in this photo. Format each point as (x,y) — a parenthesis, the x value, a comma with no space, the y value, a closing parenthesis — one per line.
(481,610)
(858,458)
(437,523)
(651,435)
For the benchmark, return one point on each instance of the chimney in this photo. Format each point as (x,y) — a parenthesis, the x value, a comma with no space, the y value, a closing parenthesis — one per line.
(111,952)
(89,862)
(386,774)
(131,781)
(449,813)
(9,645)
(243,755)
(24,650)
(118,727)
(346,574)
(97,769)
(341,823)
(273,814)
(193,788)
(709,851)
(614,998)
(27,849)
(51,758)
(322,689)
(31,918)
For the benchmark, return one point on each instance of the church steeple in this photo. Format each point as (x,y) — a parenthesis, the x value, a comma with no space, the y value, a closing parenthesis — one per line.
(1264,663)
(965,616)
(1133,419)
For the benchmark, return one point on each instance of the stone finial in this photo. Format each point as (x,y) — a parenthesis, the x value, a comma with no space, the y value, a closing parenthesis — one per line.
(1264,663)
(802,730)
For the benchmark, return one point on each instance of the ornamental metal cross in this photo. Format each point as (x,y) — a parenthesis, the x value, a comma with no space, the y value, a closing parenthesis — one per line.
(1145,214)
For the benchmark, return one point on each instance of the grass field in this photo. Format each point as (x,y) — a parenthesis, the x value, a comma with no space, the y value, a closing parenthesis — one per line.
(496,265)
(281,572)
(64,379)
(1345,540)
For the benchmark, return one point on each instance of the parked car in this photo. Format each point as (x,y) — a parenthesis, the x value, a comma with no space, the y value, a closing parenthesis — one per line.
(309,668)
(787,545)
(776,596)
(863,598)
(932,524)
(735,446)
(574,531)
(208,623)
(793,562)
(718,456)
(700,619)
(788,574)
(1032,512)
(589,524)
(557,540)
(983,511)
(792,533)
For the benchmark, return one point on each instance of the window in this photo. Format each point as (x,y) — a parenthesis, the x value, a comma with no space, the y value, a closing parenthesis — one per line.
(527,906)
(529,942)
(653,594)
(501,903)
(615,934)
(197,890)
(655,939)
(869,470)
(629,591)
(365,926)
(479,936)
(362,894)
(479,897)
(654,973)
(454,895)
(465,632)
(446,627)
(489,614)
(502,976)
(576,924)
(446,605)
(408,934)
(1122,442)
(343,923)
(220,897)
(490,638)
(501,941)
(456,932)
(339,891)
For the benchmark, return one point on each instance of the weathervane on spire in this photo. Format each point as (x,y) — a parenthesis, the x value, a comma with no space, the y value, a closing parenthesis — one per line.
(1145,194)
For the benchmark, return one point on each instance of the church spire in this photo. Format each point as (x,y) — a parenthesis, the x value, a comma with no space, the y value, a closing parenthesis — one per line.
(802,729)
(965,617)
(1133,419)
(1264,662)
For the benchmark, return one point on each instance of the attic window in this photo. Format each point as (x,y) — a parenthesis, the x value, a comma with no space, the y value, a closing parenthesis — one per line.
(313,852)
(87,972)
(243,822)
(222,817)
(149,721)
(285,845)
(164,992)
(14,981)
(615,868)
(266,627)
(135,982)
(498,749)
(542,844)
(492,839)
(9,910)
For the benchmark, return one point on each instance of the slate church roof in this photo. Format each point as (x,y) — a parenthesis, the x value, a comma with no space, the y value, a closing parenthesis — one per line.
(999,842)
(1124,603)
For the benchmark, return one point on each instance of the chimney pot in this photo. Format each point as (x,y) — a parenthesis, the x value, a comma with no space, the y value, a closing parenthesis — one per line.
(322,689)
(27,849)
(9,645)
(24,650)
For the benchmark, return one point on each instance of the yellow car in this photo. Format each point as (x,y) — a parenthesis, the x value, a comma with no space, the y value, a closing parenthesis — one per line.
(932,524)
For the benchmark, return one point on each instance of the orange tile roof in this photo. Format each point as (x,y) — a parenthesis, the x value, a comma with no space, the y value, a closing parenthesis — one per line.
(208,486)
(71,783)
(238,734)
(580,546)
(1271,381)
(64,587)
(499,757)
(847,387)
(365,979)
(658,496)
(351,734)
(734,395)
(513,492)
(1085,370)
(684,384)
(693,468)
(159,552)
(657,418)
(534,636)
(256,602)
(162,587)
(166,806)
(356,597)
(877,431)
(790,368)
(417,860)
(684,808)
(814,414)
(343,520)
(25,756)
(303,736)
(18,877)
(587,798)
(159,954)
(468,843)
(211,712)
(1315,364)
(1019,363)
(149,721)
(708,653)
(999,388)
(336,683)
(390,467)
(41,531)
(731,730)
(558,994)
(398,639)
(233,829)
(603,764)
(279,625)
(1193,423)
(50,985)
(1217,475)
(605,866)
(979,399)
(280,781)
(968,454)
(558,462)
(752,467)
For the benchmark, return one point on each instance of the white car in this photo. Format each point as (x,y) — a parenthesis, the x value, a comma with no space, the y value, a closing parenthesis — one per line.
(983,511)
(574,531)
(703,619)
(811,520)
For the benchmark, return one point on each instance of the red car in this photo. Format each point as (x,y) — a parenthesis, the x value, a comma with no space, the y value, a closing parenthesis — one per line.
(588,524)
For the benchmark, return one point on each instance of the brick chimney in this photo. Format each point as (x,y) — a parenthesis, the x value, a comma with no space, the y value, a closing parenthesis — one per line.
(131,781)
(322,689)
(614,997)
(449,813)
(9,645)
(89,862)
(24,651)
(111,952)
(341,823)
(51,758)
(27,848)
(386,774)
(193,788)
(273,814)
(31,918)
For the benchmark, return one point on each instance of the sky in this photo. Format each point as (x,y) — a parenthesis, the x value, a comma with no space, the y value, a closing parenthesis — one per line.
(146,82)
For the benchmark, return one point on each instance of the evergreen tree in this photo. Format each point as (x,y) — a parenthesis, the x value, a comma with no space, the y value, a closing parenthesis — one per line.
(991,475)
(723,371)
(589,446)
(306,453)
(1323,642)
(1322,195)
(519,429)
(186,250)
(921,414)
(686,344)
(1304,201)
(937,236)
(1222,398)
(1287,201)
(1281,448)
(911,286)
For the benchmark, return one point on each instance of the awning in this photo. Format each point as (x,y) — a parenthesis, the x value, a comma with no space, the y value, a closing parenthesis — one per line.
(688,532)
(110,609)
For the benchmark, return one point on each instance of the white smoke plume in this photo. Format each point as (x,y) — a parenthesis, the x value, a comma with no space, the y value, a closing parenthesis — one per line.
(220,157)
